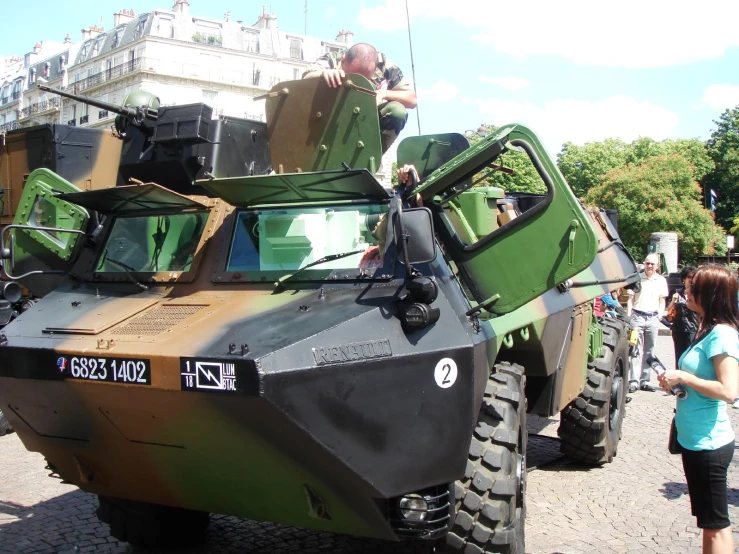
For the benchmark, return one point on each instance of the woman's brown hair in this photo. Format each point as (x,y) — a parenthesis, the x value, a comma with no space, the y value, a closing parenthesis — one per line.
(714,288)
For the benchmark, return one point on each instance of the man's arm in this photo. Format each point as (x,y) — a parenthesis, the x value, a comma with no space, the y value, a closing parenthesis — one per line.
(405,97)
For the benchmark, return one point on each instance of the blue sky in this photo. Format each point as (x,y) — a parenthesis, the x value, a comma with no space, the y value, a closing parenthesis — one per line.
(572,70)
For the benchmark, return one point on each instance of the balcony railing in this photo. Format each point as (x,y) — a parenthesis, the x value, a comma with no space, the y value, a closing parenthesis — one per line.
(16,95)
(39,107)
(84,119)
(107,75)
(10,126)
(102,114)
(4,100)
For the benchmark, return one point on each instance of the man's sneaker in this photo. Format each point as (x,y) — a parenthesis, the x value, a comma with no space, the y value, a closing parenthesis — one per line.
(633,386)
(647,387)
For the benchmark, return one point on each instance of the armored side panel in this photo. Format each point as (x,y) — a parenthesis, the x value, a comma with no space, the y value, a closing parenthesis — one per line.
(185,145)
(313,127)
(87,158)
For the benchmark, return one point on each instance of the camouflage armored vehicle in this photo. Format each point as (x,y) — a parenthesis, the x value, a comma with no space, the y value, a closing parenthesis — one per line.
(302,347)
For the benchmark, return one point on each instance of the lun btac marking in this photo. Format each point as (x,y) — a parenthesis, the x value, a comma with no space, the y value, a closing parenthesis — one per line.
(203,375)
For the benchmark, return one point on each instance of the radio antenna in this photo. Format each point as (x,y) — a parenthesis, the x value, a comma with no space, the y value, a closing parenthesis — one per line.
(413,65)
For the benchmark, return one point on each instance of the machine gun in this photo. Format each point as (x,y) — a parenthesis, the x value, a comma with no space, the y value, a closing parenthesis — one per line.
(138,107)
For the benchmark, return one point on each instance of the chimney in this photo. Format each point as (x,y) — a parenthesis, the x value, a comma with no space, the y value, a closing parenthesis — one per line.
(266,20)
(227,17)
(37,48)
(345,37)
(123,16)
(181,6)
(91,32)
(67,39)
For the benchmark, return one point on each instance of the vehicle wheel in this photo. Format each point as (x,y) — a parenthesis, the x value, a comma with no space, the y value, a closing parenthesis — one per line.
(150,525)
(590,426)
(5,427)
(489,501)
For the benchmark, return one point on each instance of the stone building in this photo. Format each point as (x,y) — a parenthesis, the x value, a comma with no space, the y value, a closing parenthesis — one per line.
(174,54)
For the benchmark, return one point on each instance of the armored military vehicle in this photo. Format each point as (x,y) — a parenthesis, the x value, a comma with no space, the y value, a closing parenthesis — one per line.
(304,348)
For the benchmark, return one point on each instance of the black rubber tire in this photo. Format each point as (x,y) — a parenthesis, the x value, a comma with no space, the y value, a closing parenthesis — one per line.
(590,426)
(5,426)
(147,525)
(489,502)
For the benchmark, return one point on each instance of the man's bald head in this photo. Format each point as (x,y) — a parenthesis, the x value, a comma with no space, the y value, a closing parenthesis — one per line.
(360,58)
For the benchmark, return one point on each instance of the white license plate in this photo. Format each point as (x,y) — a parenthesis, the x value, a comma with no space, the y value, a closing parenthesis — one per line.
(114,370)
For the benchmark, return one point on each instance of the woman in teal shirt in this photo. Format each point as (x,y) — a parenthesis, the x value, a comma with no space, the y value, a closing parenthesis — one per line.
(709,372)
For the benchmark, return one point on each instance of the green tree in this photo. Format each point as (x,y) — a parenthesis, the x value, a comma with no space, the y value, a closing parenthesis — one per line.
(513,171)
(659,195)
(723,148)
(586,166)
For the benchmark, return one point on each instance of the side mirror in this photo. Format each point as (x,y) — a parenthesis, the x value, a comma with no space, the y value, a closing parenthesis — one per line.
(414,235)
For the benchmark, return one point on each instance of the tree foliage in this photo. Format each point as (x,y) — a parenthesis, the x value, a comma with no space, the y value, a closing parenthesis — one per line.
(659,195)
(585,166)
(723,149)
(524,177)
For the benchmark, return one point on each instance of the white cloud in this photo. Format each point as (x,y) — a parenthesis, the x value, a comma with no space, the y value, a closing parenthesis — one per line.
(581,121)
(508,83)
(630,33)
(441,91)
(721,97)
(330,12)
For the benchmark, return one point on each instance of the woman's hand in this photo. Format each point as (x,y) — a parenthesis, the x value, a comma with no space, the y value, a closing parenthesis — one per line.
(670,378)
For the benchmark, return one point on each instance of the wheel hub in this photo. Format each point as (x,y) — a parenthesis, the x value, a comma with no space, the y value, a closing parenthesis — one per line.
(617,391)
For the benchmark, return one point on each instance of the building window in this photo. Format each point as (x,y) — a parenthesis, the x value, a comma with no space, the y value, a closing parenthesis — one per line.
(47,69)
(328,48)
(256,75)
(62,63)
(296,48)
(32,76)
(251,41)
(85,51)
(165,28)
(139,29)
(210,97)
(296,74)
(96,47)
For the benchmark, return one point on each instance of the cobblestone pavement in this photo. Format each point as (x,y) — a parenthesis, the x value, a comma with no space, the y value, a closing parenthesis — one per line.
(638,503)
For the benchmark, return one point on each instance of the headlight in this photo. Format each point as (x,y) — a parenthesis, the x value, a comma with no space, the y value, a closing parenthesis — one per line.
(414,507)
(11,291)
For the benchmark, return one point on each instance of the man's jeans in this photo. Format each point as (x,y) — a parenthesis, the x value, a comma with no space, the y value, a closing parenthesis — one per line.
(648,328)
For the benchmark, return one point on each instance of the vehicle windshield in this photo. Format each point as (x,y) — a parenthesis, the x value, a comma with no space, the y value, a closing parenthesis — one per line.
(268,244)
(152,243)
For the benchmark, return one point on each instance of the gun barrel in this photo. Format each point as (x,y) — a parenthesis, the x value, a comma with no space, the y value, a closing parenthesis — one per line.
(115,108)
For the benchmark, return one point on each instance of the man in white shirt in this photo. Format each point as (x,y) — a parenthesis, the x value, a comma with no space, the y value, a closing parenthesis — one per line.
(648,308)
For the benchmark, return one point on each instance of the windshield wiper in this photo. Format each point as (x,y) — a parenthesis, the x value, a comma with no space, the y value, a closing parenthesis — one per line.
(129,272)
(330,258)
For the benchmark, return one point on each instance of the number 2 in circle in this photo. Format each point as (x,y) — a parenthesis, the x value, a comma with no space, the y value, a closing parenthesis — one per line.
(445,373)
